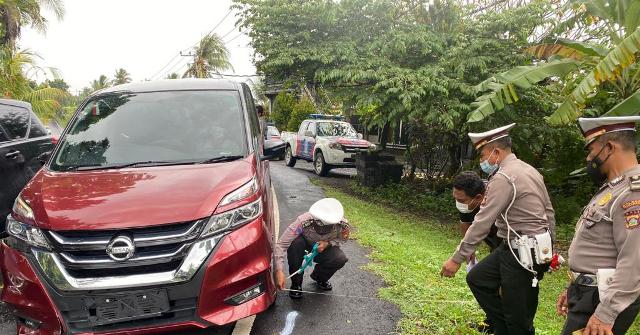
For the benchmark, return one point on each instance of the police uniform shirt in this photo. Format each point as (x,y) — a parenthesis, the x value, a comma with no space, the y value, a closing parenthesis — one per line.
(530,214)
(608,236)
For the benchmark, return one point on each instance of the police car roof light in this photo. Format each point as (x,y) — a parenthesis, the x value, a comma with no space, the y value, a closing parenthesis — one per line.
(326,117)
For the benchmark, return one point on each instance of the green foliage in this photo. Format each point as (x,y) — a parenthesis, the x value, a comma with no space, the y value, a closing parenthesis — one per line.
(211,57)
(609,68)
(390,60)
(282,109)
(612,61)
(300,112)
(407,251)
(627,107)
(503,85)
(14,84)
(412,196)
(17,13)
(101,83)
(58,83)
(121,77)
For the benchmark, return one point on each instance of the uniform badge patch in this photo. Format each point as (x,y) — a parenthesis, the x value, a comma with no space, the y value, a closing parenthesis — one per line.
(484,199)
(630,204)
(605,199)
(632,220)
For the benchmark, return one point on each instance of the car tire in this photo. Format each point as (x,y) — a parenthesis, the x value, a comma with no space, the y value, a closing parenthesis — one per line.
(320,166)
(288,157)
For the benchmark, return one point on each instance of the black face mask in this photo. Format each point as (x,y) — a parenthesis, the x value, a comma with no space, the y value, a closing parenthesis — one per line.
(593,168)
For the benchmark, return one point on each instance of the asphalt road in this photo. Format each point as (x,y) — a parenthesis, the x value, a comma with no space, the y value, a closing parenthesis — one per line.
(314,314)
(319,314)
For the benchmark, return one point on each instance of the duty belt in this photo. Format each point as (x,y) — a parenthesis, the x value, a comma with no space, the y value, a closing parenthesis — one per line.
(584,279)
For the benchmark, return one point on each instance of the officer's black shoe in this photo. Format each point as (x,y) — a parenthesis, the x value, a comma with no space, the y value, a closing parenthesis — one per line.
(484,327)
(295,293)
(324,285)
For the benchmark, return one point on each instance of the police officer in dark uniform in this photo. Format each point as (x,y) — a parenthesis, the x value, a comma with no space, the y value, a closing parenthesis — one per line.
(604,257)
(468,192)
(517,201)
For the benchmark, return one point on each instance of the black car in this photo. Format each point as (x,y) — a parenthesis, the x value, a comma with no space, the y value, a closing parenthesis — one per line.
(23,139)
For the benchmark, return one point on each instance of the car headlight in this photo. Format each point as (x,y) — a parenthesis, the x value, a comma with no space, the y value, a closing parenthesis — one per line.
(243,192)
(233,218)
(27,233)
(21,208)
(335,145)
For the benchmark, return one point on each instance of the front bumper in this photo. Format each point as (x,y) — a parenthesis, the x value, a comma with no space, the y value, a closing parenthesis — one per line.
(341,158)
(198,292)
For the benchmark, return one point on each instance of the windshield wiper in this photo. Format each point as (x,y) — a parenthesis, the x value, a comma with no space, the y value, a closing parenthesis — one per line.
(221,159)
(93,167)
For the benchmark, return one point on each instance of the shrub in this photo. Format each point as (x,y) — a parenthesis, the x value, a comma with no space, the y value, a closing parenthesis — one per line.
(300,112)
(282,109)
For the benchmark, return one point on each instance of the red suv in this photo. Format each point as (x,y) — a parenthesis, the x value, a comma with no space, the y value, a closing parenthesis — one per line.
(153,214)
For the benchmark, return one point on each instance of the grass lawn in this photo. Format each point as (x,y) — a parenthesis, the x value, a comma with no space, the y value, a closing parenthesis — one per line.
(408,252)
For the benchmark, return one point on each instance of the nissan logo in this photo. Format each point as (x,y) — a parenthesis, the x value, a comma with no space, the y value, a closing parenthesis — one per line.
(121,248)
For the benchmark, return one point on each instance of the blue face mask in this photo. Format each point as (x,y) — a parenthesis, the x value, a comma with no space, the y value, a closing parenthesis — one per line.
(488,168)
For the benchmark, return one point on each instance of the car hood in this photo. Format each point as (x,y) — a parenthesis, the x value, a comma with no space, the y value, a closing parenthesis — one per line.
(351,142)
(130,198)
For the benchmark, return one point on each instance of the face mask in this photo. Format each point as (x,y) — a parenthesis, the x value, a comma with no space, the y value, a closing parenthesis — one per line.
(488,168)
(463,208)
(593,168)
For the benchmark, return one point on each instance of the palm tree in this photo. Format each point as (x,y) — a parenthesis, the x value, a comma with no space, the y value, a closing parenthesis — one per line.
(210,57)
(121,77)
(16,13)
(15,67)
(100,83)
(582,65)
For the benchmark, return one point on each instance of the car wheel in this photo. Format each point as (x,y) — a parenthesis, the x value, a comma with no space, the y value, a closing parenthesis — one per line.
(288,158)
(320,166)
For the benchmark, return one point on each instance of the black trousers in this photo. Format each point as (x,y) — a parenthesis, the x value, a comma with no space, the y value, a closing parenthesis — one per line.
(492,240)
(511,312)
(583,300)
(327,262)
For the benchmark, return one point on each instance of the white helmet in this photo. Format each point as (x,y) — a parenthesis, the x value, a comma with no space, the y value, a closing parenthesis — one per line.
(328,211)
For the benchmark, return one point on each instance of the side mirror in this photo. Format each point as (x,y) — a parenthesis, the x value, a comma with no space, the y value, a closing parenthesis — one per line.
(273,148)
(44,157)
(309,133)
(360,136)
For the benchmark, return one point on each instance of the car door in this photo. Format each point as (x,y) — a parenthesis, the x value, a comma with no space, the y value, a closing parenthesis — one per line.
(22,140)
(310,141)
(299,149)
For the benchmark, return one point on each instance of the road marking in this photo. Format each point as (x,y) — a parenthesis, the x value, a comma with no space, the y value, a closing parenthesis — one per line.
(276,213)
(291,323)
(244,326)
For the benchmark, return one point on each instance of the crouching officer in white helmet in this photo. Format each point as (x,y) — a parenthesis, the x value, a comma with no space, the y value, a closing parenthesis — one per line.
(604,257)
(516,200)
(323,224)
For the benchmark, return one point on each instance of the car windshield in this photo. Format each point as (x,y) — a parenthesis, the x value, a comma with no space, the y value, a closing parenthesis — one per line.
(273,131)
(336,129)
(173,126)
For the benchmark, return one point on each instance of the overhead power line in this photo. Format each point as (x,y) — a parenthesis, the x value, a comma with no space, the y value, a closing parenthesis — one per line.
(164,67)
(229,41)
(195,44)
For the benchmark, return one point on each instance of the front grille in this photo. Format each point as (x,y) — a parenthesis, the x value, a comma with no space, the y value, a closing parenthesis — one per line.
(352,150)
(157,249)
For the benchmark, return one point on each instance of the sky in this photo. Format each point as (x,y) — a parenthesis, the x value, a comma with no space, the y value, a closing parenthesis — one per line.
(142,36)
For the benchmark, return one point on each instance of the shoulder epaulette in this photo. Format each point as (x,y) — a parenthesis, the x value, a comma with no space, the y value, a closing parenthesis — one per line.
(634,183)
